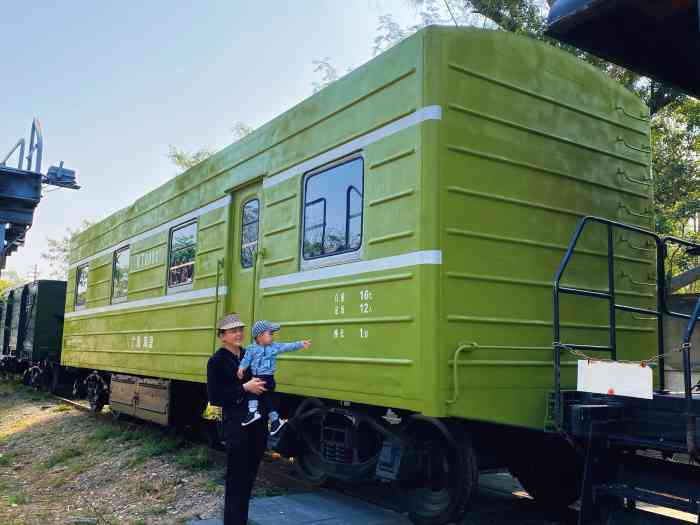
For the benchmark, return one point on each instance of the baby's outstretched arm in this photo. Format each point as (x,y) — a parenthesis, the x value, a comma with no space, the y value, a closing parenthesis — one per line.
(241,373)
(291,347)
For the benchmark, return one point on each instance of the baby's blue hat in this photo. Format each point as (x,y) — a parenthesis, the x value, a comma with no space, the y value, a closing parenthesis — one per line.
(264,326)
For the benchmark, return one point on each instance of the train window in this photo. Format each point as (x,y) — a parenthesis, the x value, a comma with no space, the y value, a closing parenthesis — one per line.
(120,274)
(249,232)
(333,210)
(183,245)
(81,284)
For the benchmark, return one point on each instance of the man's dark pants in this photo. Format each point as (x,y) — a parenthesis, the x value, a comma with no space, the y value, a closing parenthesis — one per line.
(245,447)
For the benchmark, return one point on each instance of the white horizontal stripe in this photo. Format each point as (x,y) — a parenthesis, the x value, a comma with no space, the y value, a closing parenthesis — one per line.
(418,116)
(343,270)
(224,201)
(142,303)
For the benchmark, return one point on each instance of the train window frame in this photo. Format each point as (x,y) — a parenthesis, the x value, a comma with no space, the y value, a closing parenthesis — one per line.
(78,271)
(257,232)
(345,256)
(115,256)
(175,288)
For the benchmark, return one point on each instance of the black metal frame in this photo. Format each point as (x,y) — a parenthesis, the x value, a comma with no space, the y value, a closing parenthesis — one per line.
(609,295)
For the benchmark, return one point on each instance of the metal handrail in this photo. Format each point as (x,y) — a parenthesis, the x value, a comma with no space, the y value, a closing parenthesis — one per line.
(20,144)
(691,430)
(661,310)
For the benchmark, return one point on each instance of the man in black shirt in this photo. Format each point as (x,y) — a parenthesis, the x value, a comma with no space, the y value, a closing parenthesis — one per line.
(245,446)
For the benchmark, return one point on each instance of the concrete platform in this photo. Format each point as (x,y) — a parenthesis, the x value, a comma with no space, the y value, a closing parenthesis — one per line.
(323,507)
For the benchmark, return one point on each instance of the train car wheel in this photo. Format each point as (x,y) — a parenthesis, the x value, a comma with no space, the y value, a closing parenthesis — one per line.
(36,377)
(449,474)
(97,392)
(78,391)
(310,468)
(307,462)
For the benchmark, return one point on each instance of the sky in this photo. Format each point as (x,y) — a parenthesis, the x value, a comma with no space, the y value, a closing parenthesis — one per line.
(116,83)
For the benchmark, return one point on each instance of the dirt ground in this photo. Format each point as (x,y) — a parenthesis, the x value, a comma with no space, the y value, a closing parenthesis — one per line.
(60,465)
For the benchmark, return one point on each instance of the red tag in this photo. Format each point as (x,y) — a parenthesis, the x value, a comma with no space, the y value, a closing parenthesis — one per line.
(611,391)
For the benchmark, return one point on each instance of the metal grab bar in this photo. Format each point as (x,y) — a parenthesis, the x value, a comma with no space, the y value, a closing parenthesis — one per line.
(641,149)
(455,370)
(625,275)
(646,248)
(646,214)
(219,267)
(630,115)
(623,172)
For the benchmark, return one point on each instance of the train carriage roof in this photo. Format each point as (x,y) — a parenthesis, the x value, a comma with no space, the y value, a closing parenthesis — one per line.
(656,38)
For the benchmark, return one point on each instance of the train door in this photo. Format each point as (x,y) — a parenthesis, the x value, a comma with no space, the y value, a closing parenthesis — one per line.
(245,269)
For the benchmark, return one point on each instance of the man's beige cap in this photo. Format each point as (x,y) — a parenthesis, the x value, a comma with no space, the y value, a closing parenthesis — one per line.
(231,321)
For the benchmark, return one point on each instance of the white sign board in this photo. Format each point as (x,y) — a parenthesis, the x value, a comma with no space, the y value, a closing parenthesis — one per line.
(615,379)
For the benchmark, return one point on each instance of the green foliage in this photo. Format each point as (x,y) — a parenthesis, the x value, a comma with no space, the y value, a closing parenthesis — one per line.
(18,499)
(6,459)
(676,166)
(62,456)
(57,251)
(156,445)
(185,160)
(194,458)
(106,432)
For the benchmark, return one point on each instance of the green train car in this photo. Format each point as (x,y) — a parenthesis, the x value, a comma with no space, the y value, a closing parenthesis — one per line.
(408,219)
(31,326)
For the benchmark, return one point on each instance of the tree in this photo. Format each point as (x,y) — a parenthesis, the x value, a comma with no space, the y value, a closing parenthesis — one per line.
(57,252)
(185,160)
(10,279)
(240,130)
(328,72)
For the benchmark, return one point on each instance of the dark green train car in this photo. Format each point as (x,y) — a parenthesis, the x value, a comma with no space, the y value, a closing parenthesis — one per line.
(32,329)
(5,322)
(16,322)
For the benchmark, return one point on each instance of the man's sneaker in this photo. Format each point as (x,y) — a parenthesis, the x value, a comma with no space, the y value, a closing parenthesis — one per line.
(276,425)
(252,417)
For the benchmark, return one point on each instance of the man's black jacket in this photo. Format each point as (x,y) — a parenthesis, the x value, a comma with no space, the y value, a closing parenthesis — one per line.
(226,390)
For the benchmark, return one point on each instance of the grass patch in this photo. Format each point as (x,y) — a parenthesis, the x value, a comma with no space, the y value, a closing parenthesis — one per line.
(61,456)
(213,487)
(37,395)
(130,435)
(62,408)
(18,499)
(194,458)
(155,445)
(6,459)
(159,511)
(105,433)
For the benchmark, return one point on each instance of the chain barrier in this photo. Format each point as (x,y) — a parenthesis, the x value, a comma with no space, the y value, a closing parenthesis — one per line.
(643,362)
